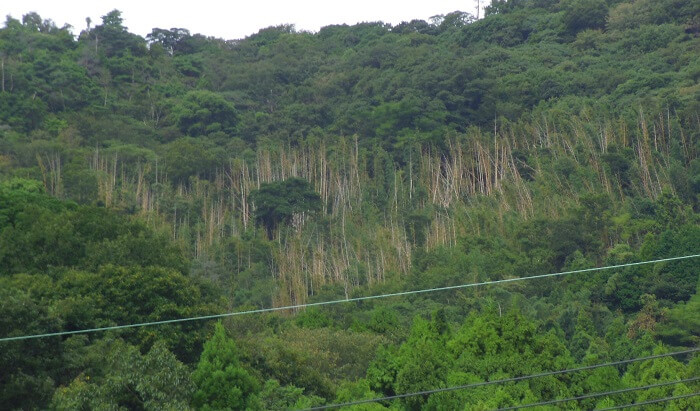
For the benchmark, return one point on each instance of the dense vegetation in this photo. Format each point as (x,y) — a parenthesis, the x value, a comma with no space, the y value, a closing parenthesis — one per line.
(182,175)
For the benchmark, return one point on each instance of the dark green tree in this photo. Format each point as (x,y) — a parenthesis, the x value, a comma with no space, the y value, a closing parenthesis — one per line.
(112,38)
(127,379)
(169,39)
(187,157)
(28,367)
(203,112)
(585,14)
(279,201)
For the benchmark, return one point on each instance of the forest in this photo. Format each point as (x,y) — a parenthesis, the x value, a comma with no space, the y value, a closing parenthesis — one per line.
(267,189)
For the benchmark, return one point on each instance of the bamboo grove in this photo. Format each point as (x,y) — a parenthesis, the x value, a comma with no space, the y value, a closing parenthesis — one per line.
(445,184)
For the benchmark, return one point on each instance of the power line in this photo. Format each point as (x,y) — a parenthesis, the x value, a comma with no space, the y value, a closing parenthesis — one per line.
(600,394)
(347,300)
(505,380)
(677,397)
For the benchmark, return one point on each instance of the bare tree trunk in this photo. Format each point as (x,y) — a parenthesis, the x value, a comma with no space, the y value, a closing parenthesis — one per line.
(51,173)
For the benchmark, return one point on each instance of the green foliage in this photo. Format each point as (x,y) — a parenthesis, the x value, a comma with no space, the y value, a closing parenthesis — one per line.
(43,233)
(681,328)
(203,112)
(273,396)
(317,360)
(619,163)
(29,368)
(486,347)
(313,318)
(222,383)
(416,226)
(647,372)
(279,201)
(114,39)
(18,194)
(20,113)
(118,295)
(383,321)
(584,14)
(549,135)
(170,40)
(358,390)
(156,380)
(80,184)
(188,157)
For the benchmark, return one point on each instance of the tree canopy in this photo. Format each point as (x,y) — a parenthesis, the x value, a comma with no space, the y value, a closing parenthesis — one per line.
(278,202)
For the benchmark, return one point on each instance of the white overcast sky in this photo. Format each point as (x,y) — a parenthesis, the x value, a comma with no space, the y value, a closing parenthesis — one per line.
(233,19)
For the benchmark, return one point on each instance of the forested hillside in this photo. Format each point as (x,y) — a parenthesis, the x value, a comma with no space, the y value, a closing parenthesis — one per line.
(180,175)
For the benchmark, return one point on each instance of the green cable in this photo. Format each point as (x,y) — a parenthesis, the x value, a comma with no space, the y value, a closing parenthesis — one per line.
(347,300)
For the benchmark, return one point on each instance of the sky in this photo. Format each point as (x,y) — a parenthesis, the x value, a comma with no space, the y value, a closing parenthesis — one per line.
(234,19)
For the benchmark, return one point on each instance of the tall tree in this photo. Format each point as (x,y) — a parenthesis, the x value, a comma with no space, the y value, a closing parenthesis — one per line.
(279,201)
(222,383)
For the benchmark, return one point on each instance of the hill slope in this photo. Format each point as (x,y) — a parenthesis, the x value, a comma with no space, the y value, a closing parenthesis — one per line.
(181,175)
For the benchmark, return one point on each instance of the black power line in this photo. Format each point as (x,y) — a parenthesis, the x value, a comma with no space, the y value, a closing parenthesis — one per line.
(600,394)
(505,380)
(677,397)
